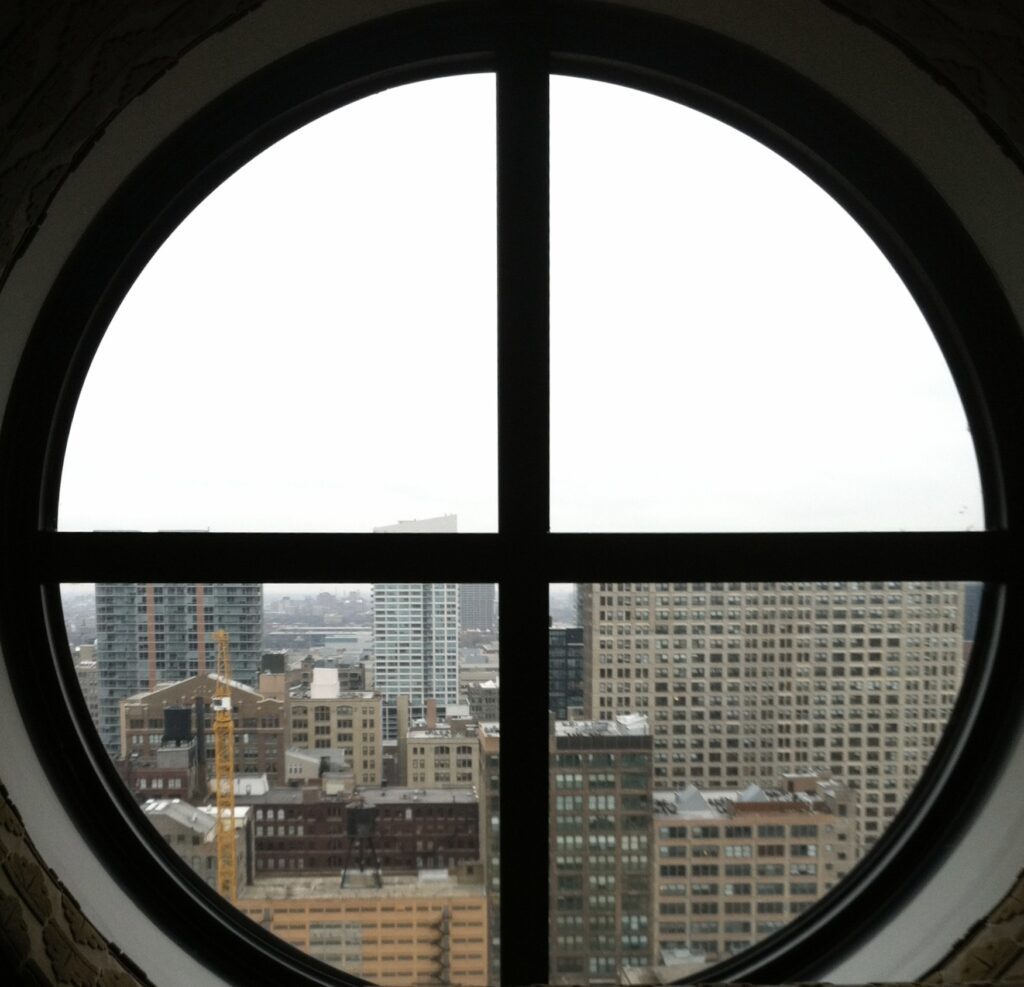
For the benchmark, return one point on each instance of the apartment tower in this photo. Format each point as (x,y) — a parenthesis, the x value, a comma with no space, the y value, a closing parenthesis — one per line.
(416,647)
(149,634)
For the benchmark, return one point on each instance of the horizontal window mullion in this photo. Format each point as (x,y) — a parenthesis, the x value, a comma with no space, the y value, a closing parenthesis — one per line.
(755,557)
(305,557)
(265,557)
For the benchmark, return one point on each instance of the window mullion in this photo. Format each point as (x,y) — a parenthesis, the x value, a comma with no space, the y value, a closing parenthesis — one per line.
(523,490)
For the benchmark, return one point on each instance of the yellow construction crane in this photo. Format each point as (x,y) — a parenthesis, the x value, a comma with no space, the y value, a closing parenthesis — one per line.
(224,770)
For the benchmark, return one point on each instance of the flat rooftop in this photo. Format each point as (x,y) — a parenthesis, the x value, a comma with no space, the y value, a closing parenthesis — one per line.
(358,886)
(390,796)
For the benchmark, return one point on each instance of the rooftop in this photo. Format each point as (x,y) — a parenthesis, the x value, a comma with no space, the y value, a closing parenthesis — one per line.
(163,686)
(691,802)
(627,725)
(291,887)
(387,796)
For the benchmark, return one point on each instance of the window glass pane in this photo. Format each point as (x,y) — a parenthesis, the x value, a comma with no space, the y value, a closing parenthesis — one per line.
(724,753)
(730,351)
(360,755)
(314,347)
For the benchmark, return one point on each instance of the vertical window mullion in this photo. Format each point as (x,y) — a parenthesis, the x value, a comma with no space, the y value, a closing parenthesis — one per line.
(523,494)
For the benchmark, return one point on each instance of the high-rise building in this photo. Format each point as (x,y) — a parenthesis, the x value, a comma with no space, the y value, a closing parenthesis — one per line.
(565,671)
(477,607)
(416,647)
(601,905)
(149,634)
(745,682)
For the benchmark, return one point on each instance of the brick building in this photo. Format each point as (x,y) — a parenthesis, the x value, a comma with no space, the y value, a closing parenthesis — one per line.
(302,830)
(259,726)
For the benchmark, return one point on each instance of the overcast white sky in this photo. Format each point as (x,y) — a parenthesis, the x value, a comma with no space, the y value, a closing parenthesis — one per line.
(314,348)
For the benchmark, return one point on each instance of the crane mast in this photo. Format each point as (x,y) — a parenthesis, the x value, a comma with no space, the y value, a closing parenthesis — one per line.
(224,771)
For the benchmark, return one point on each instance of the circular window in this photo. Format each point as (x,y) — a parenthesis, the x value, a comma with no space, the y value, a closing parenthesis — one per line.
(945,273)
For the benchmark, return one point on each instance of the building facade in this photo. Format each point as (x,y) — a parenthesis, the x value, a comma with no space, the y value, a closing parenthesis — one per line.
(489,736)
(191,831)
(601,904)
(477,612)
(153,633)
(565,671)
(447,756)
(734,867)
(303,831)
(416,647)
(408,933)
(483,699)
(350,722)
(744,682)
(260,727)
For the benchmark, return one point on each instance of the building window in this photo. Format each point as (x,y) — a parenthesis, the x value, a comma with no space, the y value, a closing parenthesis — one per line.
(539,556)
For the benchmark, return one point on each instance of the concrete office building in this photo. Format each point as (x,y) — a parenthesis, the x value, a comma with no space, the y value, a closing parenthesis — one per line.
(416,647)
(410,932)
(152,633)
(349,722)
(732,867)
(747,681)
(601,905)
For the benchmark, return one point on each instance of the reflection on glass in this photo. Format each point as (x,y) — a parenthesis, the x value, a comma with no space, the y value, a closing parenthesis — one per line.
(314,348)
(356,730)
(730,351)
(735,749)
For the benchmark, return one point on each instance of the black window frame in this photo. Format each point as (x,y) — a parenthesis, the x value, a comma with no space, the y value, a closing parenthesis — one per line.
(522,43)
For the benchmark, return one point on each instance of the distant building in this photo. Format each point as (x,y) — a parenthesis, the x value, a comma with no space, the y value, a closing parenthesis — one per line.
(149,634)
(259,727)
(732,867)
(489,736)
(477,664)
(477,611)
(305,831)
(601,905)
(440,758)
(412,932)
(565,671)
(483,699)
(445,524)
(87,671)
(334,720)
(191,831)
(416,646)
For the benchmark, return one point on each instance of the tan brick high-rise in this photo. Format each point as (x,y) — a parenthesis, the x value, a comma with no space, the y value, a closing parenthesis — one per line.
(746,681)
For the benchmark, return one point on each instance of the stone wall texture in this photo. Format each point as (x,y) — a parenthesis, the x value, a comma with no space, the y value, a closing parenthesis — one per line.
(67,67)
